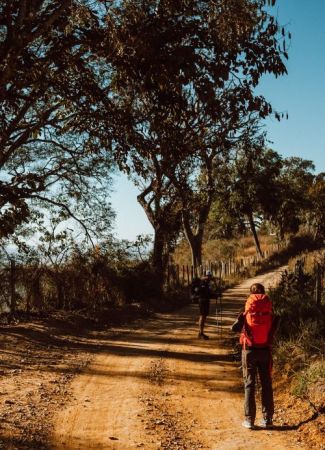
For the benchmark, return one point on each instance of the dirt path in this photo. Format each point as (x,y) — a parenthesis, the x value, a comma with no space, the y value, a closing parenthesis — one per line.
(159,387)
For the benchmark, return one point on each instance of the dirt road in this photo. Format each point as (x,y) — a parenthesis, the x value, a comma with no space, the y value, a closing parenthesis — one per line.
(159,387)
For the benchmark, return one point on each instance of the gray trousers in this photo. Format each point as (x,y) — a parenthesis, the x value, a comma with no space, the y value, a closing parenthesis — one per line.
(257,361)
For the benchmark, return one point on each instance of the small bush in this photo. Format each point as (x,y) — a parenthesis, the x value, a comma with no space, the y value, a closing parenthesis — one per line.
(308,385)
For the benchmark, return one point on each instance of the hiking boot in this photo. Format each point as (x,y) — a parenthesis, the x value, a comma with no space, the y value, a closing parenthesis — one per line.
(248,424)
(203,336)
(266,423)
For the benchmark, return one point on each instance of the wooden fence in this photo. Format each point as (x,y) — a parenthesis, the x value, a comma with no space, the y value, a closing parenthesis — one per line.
(182,275)
(14,292)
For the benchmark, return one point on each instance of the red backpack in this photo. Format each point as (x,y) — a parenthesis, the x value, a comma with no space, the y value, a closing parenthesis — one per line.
(258,321)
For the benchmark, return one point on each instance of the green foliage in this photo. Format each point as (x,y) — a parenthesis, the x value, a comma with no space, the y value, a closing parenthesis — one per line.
(294,303)
(306,379)
(161,88)
(315,220)
(224,222)
(127,282)
(300,347)
(48,84)
(178,98)
(292,198)
(253,178)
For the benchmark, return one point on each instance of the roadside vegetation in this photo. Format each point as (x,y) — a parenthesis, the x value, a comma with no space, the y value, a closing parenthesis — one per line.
(300,350)
(299,301)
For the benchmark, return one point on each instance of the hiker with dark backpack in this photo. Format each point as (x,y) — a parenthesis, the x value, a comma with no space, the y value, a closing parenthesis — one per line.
(257,325)
(204,289)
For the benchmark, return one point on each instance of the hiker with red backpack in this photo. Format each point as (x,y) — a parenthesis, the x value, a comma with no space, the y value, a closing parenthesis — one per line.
(256,325)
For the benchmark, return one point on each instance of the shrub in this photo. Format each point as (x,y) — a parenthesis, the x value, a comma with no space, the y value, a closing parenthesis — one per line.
(313,374)
(293,301)
(300,346)
(308,385)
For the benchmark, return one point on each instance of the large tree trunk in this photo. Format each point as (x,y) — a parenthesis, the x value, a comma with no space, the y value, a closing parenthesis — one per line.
(158,259)
(163,223)
(196,250)
(253,229)
(194,240)
(155,217)
(37,293)
(60,303)
(158,249)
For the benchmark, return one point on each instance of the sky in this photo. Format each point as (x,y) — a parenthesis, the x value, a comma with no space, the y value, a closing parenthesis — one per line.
(301,93)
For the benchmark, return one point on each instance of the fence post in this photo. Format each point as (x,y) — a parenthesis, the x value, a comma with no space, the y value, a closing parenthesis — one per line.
(12,287)
(318,287)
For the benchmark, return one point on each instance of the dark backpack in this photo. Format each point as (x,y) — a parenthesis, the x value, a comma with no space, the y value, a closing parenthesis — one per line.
(237,326)
(195,287)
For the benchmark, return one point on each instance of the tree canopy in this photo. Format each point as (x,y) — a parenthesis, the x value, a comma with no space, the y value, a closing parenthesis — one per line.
(183,78)
(48,82)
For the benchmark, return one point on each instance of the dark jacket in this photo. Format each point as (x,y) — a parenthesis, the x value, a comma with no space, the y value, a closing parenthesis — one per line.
(200,288)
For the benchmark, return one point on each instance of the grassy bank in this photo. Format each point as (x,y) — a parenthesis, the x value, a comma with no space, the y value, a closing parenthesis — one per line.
(299,351)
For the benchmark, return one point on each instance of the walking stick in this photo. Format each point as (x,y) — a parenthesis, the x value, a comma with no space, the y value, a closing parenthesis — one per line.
(219,314)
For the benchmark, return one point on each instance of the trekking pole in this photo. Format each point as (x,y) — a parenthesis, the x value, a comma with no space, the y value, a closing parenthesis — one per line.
(217,314)
(258,383)
(220,314)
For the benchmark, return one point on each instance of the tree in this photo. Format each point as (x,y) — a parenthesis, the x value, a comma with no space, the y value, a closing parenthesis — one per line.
(259,183)
(164,216)
(254,189)
(224,221)
(183,77)
(195,187)
(292,200)
(160,204)
(316,214)
(48,82)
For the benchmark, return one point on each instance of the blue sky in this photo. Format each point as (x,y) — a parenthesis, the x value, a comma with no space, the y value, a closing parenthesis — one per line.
(301,93)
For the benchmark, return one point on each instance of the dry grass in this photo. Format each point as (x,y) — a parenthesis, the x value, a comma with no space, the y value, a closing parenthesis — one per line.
(310,259)
(222,249)
(182,253)
(248,248)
